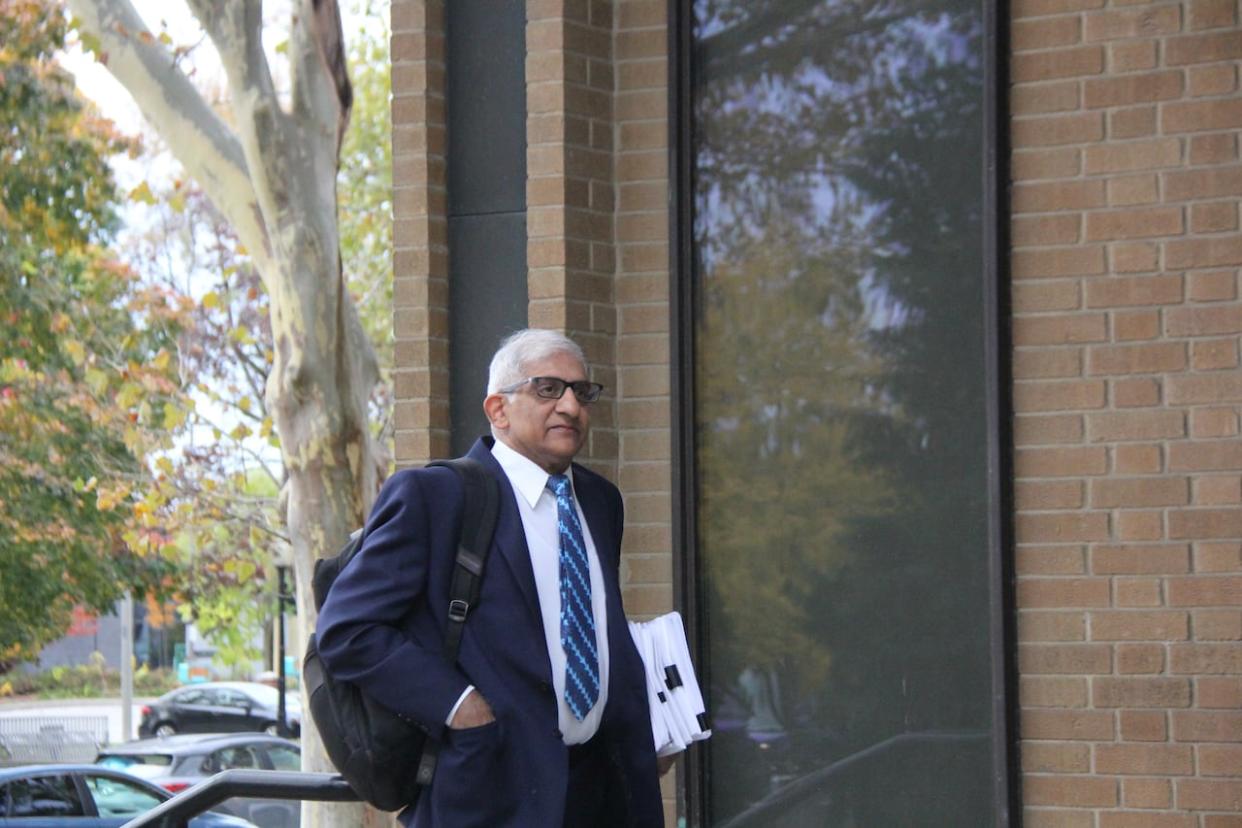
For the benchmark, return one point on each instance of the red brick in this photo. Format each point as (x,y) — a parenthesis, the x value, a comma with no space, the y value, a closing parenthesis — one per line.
(1139,626)
(1051,691)
(1212,286)
(1140,692)
(1135,122)
(1047,363)
(1125,291)
(1134,257)
(1220,760)
(1057,130)
(1061,462)
(1057,818)
(1052,626)
(1214,217)
(1202,48)
(1131,190)
(1131,89)
(1216,79)
(1158,357)
(1205,795)
(1138,592)
(1217,625)
(1057,63)
(1057,262)
(1136,525)
(1045,430)
(1146,793)
(1058,195)
(1077,791)
(1035,8)
(1142,22)
(1143,726)
(1214,355)
(1071,659)
(1045,230)
(1159,559)
(1195,185)
(1132,819)
(1139,491)
(1205,523)
(1137,459)
(1134,224)
(1139,659)
(1216,692)
(1045,33)
(1053,593)
(1048,494)
(1135,425)
(1211,14)
(1068,725)
(1204,726)
(1042,98)
(1213,422)
(1058,396)
(1214,148)
(1201,116)
(1144,760)
(1205,591)
(1136,325)
(1056,757)
(1058,163)
(1135,393)
(1204,321)
(1217,556)
(1060,330)
(1200,659)
(1131,55)
(1218,490)
(1219,455)
(1211,388)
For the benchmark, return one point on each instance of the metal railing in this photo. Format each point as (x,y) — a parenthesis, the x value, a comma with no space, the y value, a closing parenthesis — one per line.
(176,812)
(28,740)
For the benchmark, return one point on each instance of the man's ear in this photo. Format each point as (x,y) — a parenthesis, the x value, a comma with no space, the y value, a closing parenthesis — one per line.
(494,408)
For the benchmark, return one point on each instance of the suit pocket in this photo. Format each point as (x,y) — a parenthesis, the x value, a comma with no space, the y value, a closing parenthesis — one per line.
(469,788)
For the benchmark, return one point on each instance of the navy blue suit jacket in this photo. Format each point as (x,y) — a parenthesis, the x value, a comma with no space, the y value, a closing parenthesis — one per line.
(382,628)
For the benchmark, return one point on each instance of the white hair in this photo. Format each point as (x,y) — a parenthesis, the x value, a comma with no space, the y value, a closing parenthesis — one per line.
(525,348)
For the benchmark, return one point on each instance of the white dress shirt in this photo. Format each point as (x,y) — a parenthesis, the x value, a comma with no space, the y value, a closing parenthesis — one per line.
(537,507)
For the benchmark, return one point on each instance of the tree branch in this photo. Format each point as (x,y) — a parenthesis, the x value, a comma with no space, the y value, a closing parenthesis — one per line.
(321,84)
(210,152)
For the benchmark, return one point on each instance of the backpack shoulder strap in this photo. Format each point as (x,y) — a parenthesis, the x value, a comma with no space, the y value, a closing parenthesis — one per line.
(480,509)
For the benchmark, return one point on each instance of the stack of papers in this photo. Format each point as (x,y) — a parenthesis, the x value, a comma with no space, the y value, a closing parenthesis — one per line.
(678,716)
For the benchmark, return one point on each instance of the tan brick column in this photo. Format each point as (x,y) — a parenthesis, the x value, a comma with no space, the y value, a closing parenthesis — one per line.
(569,192)
(1127,390)
(420,230)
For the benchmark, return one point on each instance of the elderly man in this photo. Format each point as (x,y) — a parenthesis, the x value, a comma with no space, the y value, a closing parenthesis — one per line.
(543,719)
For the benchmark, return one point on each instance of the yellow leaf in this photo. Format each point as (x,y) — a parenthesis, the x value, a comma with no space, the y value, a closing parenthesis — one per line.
(211,299)
(266,428)
(174,416)
(142,193)
(75,351)
(244,403)
(161,360)
(60,323)
(240,432)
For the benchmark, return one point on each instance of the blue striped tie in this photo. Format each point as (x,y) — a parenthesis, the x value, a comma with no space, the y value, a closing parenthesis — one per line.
(577,617)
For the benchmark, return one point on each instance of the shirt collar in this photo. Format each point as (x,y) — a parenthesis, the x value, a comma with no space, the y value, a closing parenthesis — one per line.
(525,475)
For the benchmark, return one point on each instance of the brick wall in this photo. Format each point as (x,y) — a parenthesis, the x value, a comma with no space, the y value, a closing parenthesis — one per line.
(1126,189)
(420,232)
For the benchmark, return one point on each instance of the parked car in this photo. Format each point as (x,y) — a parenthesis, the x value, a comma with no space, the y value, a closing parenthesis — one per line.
(219,707)
(84,796)
(178,762)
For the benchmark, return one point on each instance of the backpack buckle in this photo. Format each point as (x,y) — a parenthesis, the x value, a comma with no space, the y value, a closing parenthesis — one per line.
(457,610)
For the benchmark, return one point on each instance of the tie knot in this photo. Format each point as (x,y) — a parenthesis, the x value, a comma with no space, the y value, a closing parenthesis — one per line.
(559,484)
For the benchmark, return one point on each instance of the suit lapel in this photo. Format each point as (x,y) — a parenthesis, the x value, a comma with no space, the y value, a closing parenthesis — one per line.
(510,537)
(594,507)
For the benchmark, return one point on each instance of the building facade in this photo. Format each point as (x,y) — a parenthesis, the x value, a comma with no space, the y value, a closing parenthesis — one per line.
(920,324)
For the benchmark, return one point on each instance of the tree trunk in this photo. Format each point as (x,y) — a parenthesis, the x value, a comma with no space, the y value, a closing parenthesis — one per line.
(272,173)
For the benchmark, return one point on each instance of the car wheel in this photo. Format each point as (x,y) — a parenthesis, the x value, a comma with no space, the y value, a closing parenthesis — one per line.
(271,729)
(165,729)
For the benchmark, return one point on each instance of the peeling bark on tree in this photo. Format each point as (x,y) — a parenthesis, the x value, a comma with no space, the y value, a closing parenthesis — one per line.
(272,173)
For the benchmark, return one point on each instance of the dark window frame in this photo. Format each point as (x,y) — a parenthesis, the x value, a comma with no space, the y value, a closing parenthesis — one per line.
(1006,773)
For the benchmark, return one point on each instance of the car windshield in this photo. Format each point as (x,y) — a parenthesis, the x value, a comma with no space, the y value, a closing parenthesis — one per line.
(270,696)
(144,765)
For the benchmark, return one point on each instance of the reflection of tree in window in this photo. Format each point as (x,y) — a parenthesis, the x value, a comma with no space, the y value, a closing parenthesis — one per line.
(840,380)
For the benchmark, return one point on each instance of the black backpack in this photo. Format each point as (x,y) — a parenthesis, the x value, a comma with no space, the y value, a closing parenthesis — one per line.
(385,756)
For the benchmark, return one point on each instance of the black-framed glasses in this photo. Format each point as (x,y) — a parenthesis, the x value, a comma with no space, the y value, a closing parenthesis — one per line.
(553,388)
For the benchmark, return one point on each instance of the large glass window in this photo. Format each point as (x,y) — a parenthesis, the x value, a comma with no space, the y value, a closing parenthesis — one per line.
(840,411)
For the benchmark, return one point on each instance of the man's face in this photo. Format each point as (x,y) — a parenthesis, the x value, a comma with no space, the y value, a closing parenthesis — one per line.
(549,432)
